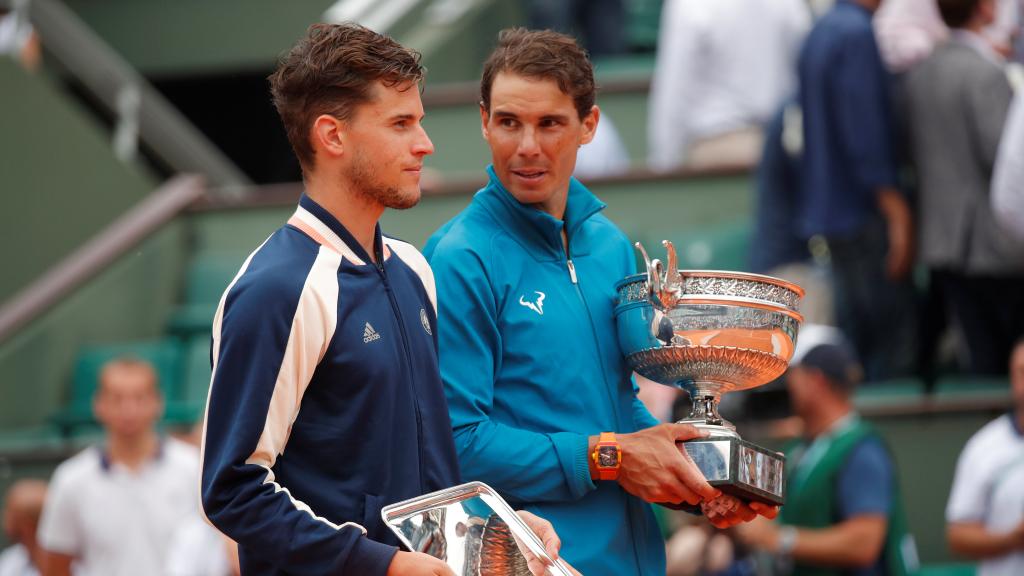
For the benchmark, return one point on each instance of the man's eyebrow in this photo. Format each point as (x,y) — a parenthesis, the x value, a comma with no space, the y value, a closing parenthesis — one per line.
(505,114)
(402,117)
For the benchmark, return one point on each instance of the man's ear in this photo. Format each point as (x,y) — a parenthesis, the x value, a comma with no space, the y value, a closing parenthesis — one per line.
(328,136)
(484,117)
(590,124)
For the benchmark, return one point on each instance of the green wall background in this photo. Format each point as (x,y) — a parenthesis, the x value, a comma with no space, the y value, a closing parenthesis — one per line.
(61,183)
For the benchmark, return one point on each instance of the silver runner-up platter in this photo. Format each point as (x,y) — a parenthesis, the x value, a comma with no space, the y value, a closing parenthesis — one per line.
(712,332)
(472,529)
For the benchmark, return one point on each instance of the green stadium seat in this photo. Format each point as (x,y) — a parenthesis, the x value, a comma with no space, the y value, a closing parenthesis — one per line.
(208,275)
(972,386)
(31,440)
(946,570)
(643,18)
(188,320)
(76,417)
(627,67)
(889,393)
(196,382)
(722,247)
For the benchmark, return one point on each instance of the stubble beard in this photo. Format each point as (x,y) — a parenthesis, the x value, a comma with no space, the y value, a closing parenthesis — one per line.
(365,183)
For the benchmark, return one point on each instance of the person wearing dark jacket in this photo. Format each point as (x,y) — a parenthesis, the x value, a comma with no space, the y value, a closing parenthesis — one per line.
(326,401)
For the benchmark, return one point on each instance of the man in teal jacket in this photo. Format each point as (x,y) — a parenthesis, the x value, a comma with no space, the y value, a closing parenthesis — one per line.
(528,350)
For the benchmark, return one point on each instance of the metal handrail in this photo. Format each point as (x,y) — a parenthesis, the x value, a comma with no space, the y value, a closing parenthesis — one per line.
(459,184)
(127,95)
(94,256)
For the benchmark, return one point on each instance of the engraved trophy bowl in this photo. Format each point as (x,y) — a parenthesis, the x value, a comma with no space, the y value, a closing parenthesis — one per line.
(710,333)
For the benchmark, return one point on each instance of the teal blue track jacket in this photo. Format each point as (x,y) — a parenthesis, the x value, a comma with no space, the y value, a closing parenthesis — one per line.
(531,367)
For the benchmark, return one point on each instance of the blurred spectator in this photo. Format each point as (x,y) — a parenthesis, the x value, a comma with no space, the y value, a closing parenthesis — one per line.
(697,548)
(985,514)
(17,37)
(1005,27)
(604,156)
(848,202)
(22,507)
(113,508)
(722,70)
(777,249)
(957,101)
(843,508)
(908,31)
(599,24)
(1008,176)
(199,549)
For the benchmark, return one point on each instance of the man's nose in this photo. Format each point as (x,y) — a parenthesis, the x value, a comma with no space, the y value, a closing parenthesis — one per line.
(423,146)
(528,143)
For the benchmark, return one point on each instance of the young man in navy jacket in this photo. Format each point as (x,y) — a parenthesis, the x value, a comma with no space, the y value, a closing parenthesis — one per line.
(326,402)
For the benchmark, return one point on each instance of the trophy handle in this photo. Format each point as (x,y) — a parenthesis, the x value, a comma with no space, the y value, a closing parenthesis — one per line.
(672,290)
(654,269)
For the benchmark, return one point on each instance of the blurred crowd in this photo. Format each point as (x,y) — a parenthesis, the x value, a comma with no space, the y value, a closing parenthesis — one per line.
(127,505)
(888,149)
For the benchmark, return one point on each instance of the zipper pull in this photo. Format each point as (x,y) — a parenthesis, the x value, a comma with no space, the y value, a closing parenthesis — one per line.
(572,270)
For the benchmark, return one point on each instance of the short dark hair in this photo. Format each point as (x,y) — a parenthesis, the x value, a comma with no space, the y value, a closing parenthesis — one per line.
(542,54)
(139,365)
(956,13)
(330,71)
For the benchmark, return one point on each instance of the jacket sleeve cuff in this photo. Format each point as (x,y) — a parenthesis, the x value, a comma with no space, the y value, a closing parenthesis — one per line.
(572,454)
(370,557)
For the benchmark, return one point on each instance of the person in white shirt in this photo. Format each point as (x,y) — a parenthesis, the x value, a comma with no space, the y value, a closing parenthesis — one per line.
(22,507)
(1008,174)
(198,549)
(722,69)
(985,514)
(113,509)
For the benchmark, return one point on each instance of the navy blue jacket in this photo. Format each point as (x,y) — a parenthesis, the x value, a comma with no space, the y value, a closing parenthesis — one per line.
(326,401)
(848,133)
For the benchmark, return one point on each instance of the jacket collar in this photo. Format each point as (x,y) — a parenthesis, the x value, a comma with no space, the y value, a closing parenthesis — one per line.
(539,232)
(337,236)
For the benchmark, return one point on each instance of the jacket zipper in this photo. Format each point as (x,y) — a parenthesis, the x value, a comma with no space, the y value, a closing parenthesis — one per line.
(630,509)
(408,360)
(593,330)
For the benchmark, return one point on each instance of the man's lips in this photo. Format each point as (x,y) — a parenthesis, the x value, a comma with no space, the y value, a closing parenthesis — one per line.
(529,173)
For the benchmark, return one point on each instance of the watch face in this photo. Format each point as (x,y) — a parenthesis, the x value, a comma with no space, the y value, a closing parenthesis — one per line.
(607,456)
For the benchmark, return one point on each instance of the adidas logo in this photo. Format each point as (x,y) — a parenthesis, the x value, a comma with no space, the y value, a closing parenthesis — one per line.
(369,334)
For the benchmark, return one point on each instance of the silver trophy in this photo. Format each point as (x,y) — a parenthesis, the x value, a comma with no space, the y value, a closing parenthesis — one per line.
(712,332)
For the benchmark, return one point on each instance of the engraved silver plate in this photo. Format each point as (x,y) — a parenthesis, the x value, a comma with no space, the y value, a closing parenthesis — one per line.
(740,468)
(760,470)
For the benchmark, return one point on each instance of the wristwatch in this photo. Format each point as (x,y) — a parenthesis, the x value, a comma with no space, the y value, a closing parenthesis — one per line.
(607,456)
(787,540)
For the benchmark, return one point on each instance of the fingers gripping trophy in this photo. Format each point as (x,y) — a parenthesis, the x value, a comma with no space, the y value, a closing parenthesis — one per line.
(709,333)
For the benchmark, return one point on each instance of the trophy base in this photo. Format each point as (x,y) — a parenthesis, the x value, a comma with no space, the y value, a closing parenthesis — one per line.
(740,468)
